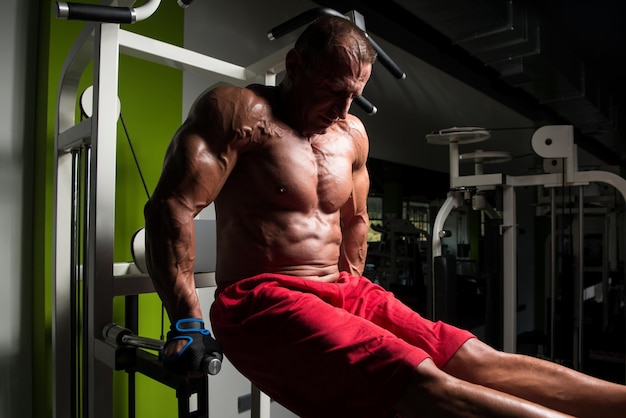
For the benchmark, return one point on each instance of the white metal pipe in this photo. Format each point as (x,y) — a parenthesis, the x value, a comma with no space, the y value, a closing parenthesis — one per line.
(147,9)
(75,64)
(451,202)
(454,161)
(153,50)
(509,287)
(579,288)
(552,268)
(609,235)
(603,177)
(99,256)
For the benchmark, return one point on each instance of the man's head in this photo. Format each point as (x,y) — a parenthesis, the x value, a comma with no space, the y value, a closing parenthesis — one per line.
(329,65)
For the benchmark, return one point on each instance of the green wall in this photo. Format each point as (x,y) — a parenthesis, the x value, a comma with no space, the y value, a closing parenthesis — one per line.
(151,103)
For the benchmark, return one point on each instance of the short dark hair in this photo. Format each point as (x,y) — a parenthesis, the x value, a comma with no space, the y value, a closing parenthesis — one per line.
(317,43)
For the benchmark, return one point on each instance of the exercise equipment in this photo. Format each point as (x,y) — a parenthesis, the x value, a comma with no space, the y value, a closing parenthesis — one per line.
(119,336)
(127,353)
(553,143)
(85,160)
(109,14)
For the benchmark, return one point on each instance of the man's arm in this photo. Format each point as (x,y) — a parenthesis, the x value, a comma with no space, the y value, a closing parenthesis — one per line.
(354,218)
(192,176)
(190,180)
(197,164)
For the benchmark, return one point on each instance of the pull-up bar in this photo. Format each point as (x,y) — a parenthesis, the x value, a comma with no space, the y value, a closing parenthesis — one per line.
(109,14)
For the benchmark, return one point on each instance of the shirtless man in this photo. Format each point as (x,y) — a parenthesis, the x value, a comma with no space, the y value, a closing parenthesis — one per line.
(286,168)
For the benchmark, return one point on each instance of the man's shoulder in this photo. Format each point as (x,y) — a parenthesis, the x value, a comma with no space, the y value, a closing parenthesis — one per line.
(353,127)
(234,115)
(228,101)
(236,93)
(354,122)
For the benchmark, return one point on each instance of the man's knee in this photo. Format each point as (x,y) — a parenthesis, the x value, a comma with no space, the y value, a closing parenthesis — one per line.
(473,361)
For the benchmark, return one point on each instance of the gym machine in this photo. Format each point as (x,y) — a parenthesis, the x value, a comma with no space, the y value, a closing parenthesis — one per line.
(130,355)
(84,208)
(555,144)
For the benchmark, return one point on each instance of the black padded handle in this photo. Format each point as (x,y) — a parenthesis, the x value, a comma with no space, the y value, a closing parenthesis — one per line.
(94,13)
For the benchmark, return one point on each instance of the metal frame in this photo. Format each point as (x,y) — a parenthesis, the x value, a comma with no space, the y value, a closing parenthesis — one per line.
(555,143)
(103,43)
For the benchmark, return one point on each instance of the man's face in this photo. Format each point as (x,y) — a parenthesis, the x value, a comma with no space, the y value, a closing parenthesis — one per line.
(323,97)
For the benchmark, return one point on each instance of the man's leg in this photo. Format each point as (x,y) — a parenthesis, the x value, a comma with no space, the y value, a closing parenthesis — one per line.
(538,381)
(434,393)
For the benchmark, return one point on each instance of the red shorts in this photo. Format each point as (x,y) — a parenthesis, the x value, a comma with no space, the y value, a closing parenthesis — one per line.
(341,349)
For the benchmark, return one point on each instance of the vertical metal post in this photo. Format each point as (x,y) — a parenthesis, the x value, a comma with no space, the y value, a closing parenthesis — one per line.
(622,252)
(454,159)
(62,342)
(64,396)
(578,305)
(609,261)
(99,266)
(260,404)
(552,269)
(452,201)
(509,287)
(85,371)
(131,321)
(74,279)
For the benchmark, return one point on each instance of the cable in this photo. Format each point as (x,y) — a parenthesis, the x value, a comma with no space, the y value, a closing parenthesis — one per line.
(132,150)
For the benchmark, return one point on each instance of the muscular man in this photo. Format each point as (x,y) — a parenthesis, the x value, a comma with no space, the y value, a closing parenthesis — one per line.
(286,169)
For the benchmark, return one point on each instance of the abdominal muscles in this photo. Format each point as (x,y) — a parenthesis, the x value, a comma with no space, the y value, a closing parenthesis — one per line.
(293,243)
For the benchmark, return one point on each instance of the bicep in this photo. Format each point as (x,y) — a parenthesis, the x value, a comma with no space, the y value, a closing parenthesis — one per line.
(357,205)
(193,173)
(355,222)
(354,212)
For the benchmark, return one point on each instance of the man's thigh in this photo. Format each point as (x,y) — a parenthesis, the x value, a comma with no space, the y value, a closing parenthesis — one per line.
(295,346)
(438,339)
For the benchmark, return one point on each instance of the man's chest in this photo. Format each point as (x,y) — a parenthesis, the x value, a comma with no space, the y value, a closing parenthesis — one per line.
(298,173)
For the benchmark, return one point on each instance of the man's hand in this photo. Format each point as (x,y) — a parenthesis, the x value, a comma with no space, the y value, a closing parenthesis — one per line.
(190,350)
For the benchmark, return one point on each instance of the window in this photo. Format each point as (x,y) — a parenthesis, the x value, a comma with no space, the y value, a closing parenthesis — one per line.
(418,214)
(375,213)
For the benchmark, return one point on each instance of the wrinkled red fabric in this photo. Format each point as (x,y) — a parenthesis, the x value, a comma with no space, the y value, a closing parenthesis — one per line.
(341,349)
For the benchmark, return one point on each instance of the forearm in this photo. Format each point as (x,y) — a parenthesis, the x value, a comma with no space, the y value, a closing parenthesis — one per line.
(354,245)
(170,254)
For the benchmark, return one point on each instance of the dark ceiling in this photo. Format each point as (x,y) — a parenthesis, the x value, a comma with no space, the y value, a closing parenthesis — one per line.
(553,61)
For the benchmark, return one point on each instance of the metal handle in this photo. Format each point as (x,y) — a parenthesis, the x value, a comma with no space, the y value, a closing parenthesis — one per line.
(142,342)
(386,61)
(116,334)
(108,14)
(365,104)
(212,363)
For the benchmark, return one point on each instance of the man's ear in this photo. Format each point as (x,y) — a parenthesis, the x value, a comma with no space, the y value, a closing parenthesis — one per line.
(292,62)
